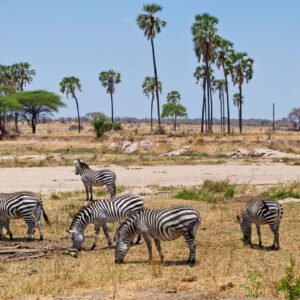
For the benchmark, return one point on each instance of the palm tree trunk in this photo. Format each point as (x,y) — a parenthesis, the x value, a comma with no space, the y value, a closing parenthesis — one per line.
(223,108)
(151,116)
(221,111)
(211,106)
(208,95)
(112,108)
(203,106)
(156,83)
(78,116)
(175,123)
(227,96)
(241,105)
(17,121)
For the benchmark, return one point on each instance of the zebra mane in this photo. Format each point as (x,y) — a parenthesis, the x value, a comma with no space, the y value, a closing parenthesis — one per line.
(265,205)
(78,216)
(126,224)
(83,164)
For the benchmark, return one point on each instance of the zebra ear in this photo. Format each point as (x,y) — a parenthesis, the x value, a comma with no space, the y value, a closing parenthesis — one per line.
(70,230)
(75,161)
(81,160)
(238,218)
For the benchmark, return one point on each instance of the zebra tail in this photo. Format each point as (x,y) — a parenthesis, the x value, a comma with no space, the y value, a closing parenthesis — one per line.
(196,226)
(45,216)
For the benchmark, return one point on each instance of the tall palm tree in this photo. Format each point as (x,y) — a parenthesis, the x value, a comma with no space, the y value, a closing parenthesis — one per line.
(173,97)
(238,101)
(205,42)
(219,86)
(108,80)
(22,74)
(224,60)
(68,86)
(151,25)
(149,87)
(242,70)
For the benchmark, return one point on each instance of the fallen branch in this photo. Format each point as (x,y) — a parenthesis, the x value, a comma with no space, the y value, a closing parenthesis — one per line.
(26,257)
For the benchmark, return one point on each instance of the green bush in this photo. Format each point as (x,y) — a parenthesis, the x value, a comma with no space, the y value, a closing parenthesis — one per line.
(282,191)
(117,126)
(290,283)
(101,124)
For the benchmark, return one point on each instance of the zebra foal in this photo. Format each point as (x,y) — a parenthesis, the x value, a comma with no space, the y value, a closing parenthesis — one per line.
(261,212)
(161,225)
(100,213)
(92,178)
(24,205)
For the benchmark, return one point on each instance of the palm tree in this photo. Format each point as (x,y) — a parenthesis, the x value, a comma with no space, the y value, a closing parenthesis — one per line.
(173,97)
(151,26)
(238,101)
(68,86)
(200,75)
(205,43)
(22,74)
(108,80)
(219,86)
(242,70)
(224,60)
(149,87)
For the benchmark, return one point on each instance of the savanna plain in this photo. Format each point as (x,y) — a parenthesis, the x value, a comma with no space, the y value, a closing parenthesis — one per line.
(225,268)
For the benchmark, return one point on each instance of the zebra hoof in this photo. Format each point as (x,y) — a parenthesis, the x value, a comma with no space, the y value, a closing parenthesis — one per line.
(41,238)
(10,237)
(191,263)
(119,261)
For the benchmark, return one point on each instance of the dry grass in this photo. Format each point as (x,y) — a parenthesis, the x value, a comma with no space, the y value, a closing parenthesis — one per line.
(222,257)
(54,145)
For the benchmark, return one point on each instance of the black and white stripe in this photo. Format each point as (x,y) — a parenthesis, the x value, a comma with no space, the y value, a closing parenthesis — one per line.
(102,212)
(261,212)
(92,178)
(24,205)
(159,224)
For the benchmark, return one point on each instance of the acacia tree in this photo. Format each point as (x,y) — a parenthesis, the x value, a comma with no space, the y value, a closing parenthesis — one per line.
(242,70)
(108,80)
(219,86)
(151,26)
(205,43)
(224,60)
(294,118)
(68,86)
(22,74)
(173,108)
(149,88)
(34,105)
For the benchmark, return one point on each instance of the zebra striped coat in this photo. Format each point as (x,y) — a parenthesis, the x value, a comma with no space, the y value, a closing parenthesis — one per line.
(261,212)
(92,178)
(100,213)
(159,224)
(24,205)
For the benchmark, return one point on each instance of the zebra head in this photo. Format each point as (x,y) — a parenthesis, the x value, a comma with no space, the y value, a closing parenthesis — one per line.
(77,238)
(124,237)
(80,166)
(246,229)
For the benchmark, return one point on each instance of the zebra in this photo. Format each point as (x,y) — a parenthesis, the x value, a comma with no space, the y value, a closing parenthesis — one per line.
(100,213)
(92,178)
(159,224)
(261,212)
(26,205)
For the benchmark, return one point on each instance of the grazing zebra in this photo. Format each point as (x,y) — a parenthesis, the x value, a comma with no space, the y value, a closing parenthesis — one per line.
(159,224)
(100,213)
(261,212)
(92,178)
(24,205)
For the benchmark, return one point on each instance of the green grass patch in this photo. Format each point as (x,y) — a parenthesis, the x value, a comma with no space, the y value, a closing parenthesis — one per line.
(284,190)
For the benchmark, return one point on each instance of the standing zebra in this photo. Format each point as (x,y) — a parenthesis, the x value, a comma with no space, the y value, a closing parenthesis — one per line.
(92,178)
(261,212)
(159,224)
(100,213)
(24,205)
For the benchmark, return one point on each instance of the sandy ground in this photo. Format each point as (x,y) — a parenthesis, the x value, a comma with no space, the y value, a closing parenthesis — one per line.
(50,179)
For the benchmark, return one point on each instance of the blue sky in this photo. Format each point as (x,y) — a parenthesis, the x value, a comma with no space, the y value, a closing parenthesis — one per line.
(81,38)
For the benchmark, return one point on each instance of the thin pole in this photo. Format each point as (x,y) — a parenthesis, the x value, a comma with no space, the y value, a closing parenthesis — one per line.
(273,117)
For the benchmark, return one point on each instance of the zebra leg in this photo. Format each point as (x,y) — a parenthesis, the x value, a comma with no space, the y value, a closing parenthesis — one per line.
(275,231)
(37,214)
(138,239)
(97,229)
(29,220)
(158,247)
(106,232)
(6,225)
(91,192)
(259,235)
(149,246)
(86,191)
(190,240)
(112,190)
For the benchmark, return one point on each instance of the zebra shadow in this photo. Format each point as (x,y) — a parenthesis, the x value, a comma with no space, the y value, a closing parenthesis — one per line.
(262,248)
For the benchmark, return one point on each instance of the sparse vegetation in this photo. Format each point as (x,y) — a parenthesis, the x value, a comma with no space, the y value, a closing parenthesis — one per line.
(284,190)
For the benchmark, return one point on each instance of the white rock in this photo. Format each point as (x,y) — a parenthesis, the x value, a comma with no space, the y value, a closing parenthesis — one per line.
(113,146)
(132,147)
(146,144)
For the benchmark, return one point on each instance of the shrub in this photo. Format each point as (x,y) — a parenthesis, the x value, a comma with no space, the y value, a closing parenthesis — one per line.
(101,124)
(282,191)
(75,127)
(117,126)
(290,283)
